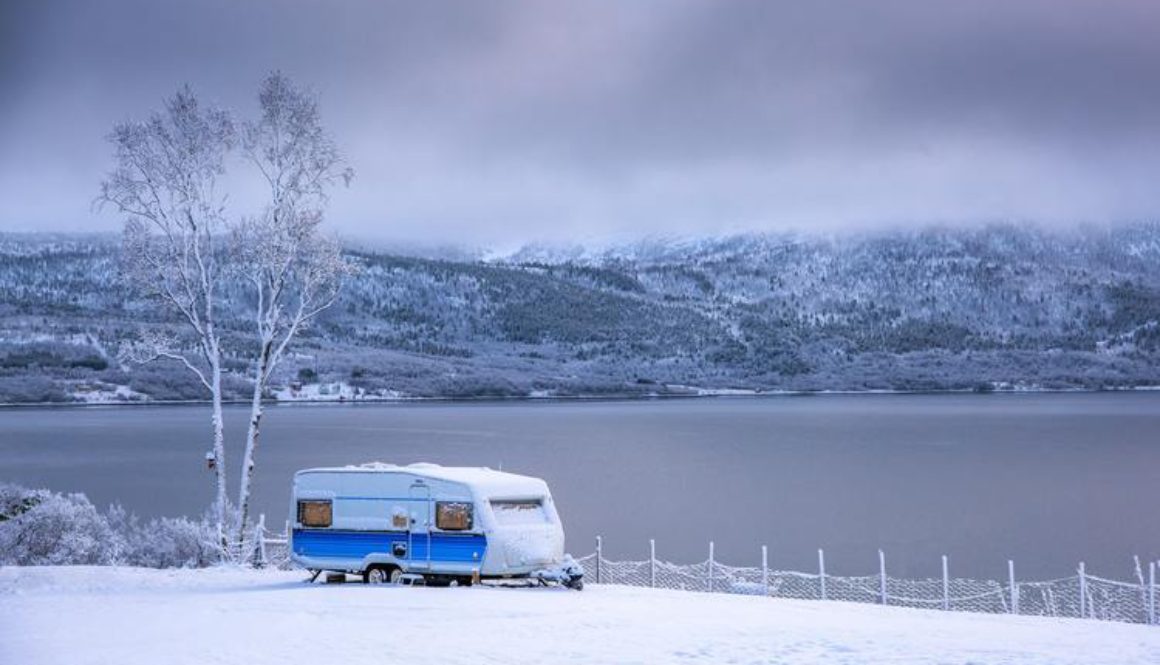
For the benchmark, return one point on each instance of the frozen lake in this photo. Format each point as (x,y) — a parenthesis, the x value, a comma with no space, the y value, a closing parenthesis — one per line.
(1047,480)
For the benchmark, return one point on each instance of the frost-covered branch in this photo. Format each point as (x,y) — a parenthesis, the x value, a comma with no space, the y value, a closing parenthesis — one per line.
(165,181)
(152,347)
(295,270)
(180,248)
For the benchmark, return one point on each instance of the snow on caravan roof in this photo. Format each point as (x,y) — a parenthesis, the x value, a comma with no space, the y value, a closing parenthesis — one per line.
(485,480)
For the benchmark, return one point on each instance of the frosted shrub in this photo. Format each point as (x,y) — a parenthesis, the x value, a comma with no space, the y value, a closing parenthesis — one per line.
(39,528)
(177,542)
(15,500)
(166,542)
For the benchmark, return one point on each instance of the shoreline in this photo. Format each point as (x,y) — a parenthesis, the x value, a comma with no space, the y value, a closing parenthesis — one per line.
(693,393)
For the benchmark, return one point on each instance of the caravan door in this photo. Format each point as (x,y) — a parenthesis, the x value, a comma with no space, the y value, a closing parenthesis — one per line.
(419,534)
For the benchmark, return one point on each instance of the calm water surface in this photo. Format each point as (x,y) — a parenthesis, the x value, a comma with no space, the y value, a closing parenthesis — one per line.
(1047,480)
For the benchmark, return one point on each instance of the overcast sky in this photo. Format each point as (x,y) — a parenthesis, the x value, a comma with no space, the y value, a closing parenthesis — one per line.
(504,122)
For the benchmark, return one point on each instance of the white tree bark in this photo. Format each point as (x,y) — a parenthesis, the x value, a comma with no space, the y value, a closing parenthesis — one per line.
(294,271)
(165,182)
(221,501)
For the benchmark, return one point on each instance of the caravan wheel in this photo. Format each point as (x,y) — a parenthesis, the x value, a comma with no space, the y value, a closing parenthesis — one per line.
(381,574)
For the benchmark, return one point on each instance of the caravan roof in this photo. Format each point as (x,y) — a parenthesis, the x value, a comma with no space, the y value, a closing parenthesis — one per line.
(482,479)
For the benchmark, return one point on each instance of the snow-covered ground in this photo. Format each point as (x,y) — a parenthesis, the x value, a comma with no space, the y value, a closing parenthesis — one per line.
(134,616)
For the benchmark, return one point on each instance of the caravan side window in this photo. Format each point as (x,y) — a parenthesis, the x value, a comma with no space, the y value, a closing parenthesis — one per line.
(453,515)
(316,513)
(519,511)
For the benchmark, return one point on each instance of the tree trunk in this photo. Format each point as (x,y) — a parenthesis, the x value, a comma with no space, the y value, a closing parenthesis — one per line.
(252,442)
(219,452)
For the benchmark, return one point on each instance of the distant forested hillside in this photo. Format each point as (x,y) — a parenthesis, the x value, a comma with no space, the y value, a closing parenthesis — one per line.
(1000,307)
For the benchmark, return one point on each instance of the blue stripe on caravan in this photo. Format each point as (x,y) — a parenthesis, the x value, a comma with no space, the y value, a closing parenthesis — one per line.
(340,544)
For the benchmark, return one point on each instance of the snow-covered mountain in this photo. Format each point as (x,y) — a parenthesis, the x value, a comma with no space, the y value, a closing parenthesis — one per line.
(971,309)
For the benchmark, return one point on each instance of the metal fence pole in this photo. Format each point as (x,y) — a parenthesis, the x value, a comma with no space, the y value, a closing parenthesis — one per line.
(822,573)
(1151,593)
(882,575)
(710,566)
(260,541)
(262,528)
(652,563)
(1082,591)
(1012,586)
(1143,587)
(946,585)
(599,556)
(765,569)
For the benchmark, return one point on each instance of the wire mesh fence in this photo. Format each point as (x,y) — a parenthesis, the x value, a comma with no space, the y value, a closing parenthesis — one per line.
(1080,596)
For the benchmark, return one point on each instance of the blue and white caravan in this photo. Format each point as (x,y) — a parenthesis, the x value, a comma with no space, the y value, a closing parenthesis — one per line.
(444,524)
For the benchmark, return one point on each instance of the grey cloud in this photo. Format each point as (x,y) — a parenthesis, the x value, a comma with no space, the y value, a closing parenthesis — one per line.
(506,121)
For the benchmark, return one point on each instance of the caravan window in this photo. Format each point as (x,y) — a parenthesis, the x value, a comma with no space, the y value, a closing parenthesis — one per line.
(453,515)
(519,511)
(317,513)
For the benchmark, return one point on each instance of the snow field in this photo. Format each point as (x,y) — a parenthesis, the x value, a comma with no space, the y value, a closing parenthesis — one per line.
(81,615)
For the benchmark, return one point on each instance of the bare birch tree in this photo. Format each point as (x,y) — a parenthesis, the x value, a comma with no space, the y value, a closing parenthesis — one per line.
(166,182)
(292,270)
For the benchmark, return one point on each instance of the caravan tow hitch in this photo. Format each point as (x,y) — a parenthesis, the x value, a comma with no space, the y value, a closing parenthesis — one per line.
(568,573)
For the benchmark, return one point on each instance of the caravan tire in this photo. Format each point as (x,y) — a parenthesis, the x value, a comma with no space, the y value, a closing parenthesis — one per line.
(381,574)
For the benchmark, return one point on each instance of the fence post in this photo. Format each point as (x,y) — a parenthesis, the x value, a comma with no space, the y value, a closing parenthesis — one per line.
(946,585)
(1151,593)
(652,563)
(822,573)
(599,556)
(1082,592)
(765,569)
(1013,587)
(710,566)
(1143,587)
(882,574)
(259,552)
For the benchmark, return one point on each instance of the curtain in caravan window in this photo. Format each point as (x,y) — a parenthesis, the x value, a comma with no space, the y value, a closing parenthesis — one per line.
(315,513)
(452,515)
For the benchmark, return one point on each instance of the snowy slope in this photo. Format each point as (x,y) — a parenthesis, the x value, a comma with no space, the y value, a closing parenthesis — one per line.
(1001,307)
(134,616)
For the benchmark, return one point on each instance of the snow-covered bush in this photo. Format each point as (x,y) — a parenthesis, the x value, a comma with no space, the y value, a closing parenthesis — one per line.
(176,542)
(166,542)
(15,500)
(39,528)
